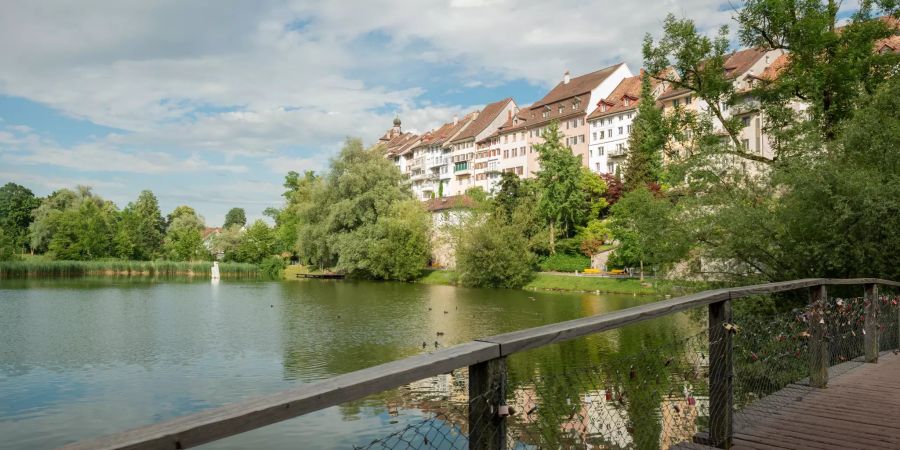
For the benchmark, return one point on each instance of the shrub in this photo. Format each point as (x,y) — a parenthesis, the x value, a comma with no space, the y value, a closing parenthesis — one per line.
(494,253)
(272,267)
(565,262)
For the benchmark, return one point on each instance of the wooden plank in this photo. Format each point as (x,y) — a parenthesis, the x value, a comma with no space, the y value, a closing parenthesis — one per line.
(518,341)
(206,426)
(870,328)
(487,391)
(818,345)
(771,288)
(721,374)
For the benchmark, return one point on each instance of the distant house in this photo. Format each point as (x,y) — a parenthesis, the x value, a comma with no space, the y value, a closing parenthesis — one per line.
(446,212)
(209,235)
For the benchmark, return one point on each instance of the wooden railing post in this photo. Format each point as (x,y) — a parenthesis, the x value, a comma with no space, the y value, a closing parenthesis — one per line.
(721,373)
(871,323)
(818,344)
(487,392)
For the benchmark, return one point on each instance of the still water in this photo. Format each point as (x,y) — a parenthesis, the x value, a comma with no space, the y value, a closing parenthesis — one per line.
(87,357)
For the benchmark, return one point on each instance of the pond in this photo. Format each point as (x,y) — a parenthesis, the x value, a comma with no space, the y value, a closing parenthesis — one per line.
(81,358)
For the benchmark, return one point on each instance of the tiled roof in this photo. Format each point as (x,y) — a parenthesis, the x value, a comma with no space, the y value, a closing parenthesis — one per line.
(483,119)
(740,61)
(773,70)
(452,202)
(888,44)
(630,87)
(445,132)
(396,145)
(576,86)
(673,92)
(534,116)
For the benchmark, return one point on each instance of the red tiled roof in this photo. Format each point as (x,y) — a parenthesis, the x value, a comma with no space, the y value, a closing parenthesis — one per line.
(629,87)
(740,61)
(445,131)
(576,86)
(210,230)
(452,202)
(483,119)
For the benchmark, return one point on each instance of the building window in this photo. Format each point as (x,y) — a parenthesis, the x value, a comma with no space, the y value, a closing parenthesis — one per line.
(546,114)
(561,109)
(629,129)
(602,135)
(675,103)
(505,154)
(620,131)
(594,136)
(746,144)
(600,151)
(745,121)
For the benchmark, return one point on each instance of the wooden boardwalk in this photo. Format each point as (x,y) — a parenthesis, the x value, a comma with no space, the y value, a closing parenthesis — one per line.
(860,408)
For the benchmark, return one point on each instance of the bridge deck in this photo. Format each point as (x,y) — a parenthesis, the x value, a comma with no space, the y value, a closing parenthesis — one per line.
(860,408)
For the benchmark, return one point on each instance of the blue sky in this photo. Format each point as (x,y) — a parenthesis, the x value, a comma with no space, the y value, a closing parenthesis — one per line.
(209,103)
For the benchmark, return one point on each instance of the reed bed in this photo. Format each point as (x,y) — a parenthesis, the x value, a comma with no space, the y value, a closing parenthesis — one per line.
(41,269)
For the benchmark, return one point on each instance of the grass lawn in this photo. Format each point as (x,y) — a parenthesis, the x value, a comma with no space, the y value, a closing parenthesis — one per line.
(438,277)
(557,282)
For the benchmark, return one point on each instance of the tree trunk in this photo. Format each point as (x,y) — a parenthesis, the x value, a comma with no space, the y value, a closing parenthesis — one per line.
(552,238)
(642,270)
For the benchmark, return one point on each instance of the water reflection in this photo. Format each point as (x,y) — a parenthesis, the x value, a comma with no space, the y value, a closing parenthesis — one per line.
(82,358)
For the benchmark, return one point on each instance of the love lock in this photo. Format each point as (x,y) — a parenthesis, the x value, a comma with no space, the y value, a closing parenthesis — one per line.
(505,411)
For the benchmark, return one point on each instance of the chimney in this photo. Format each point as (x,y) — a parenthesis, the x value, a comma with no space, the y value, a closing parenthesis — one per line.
(455,120)
(566,77)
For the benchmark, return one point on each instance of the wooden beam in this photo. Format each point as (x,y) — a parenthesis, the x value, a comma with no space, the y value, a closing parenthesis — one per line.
(207,426)
(721,374)
(818,344)
(870,328)
(487,391)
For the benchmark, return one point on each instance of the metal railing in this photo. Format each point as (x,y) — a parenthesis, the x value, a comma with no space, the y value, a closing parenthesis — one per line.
(489,414)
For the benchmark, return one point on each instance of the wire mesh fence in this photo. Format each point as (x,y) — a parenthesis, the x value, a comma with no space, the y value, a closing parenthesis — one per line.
(657,397)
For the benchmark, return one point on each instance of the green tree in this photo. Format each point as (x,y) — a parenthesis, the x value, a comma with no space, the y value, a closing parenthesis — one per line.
(44,224)
(829,69)
(646,228)
(16,205)
(686,59)
(84,232)
(255,244)
(396,247)
(235,216)
(562,197)
(299,197)
(184,241)
(495,252)
(141,229)
(8,248)
(347,215)
(646,144)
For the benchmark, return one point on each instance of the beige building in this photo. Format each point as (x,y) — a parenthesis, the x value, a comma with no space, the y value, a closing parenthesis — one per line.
(569,103)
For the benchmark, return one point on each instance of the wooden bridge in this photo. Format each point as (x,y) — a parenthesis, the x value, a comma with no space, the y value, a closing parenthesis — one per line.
(847,405)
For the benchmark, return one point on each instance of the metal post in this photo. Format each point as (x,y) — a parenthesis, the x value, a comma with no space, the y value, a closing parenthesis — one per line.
(721,374)
(818,345)
(871,323)
(487,391)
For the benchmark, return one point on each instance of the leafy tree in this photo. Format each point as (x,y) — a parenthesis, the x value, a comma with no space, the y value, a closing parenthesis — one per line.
(830,66)
(495,252)
(594,188)
(562,197)
(396,247)
(141,229)
(255,244)
(226,242)
(351,212)
(647,141)
(645,226)
(8,249)
(299,197)
(16,206)
(184,241)
(614,188)
(44,224)
(83,232)
(593,236)
(686,59)
(235,216)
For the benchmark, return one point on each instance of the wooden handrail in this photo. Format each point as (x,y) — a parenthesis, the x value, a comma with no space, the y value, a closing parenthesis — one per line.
(206,426)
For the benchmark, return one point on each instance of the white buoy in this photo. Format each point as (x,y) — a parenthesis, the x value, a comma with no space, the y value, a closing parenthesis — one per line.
(215,271)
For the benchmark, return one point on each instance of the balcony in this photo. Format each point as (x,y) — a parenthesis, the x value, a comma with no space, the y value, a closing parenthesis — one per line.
(618,152)
(437,161)
(461,166)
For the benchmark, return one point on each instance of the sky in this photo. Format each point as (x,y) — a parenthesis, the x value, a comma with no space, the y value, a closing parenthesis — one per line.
(210,103)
